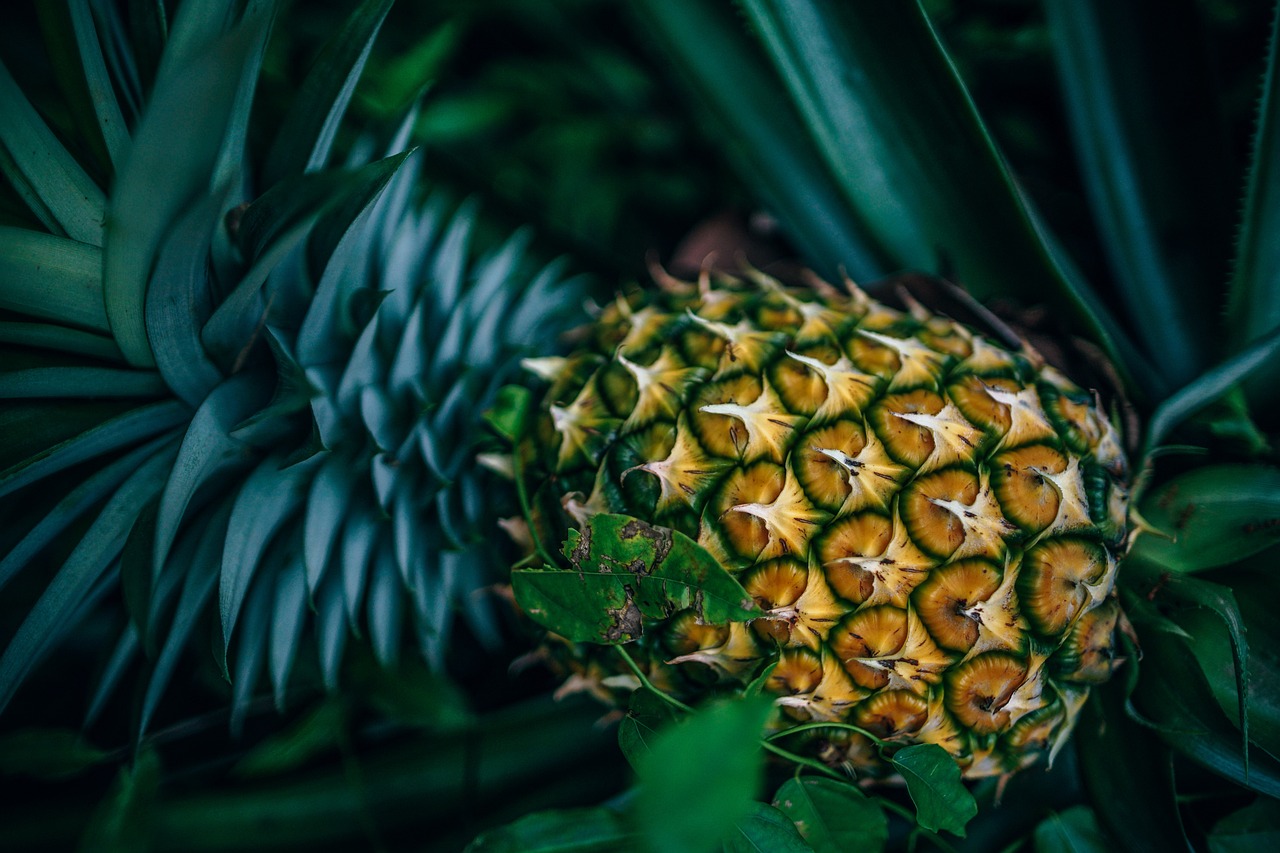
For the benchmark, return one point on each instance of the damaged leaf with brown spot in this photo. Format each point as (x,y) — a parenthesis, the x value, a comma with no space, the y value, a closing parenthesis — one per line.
(621,571)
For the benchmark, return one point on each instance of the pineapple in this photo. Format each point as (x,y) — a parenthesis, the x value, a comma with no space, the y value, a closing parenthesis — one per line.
(928,523)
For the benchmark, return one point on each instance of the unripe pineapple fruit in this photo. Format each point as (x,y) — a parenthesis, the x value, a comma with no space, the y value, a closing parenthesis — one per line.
(928,523)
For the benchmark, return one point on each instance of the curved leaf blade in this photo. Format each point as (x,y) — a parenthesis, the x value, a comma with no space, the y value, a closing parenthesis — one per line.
(933,780)
(833,816)
(53,278)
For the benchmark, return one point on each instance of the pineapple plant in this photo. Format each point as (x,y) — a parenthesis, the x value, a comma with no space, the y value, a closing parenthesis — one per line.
(243,436)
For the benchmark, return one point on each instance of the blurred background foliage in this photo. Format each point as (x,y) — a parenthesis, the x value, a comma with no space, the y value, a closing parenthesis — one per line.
(564,114)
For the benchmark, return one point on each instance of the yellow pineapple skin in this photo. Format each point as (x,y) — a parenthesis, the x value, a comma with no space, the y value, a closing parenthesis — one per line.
(929,522)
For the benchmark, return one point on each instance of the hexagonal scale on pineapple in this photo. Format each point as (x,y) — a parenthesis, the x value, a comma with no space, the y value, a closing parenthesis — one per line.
(978,690)
(1060,579)
(892,714)
(832,388)
(813,685)
(886,576)
(944,600)
(685,474)
(1088,654)
(763,429)
(905,362)
(845,468)
(952,513)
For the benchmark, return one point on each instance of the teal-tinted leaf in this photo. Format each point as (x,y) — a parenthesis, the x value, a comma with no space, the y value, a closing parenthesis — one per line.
(933,780)
(1208,388)
(1148,194)
(169,165)
(359,540)
(339,233)
(123,821)
(180,300)
(331,492)
(1075,830)
(44,173)
(81,383)
(53,278)
(507,416)
(197,589)
(315,111)
(60,338)
(647,715)
(318,731)
(101,92)
(1213,516)
(621,571)
(46,753)
(207,448)
(119,56)
(706,45)
(765,828)
(128,647)
(139,588)
(331,630)
(877,92)
(251,649)
(1253,828)
(833,816)
(386,607)
(286,624)
(234,156)
(570,831)
(269,496)
(699,777)
(1138,807)
(1254,309)
(48,620)
(73,504)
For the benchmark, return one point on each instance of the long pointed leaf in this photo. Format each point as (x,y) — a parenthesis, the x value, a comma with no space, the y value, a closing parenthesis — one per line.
(1255,283)
(105,106)
(1141,171)
(60,338)
(80,383)
(61,194)
(52,277)
(303,142)
(47,621)
(878,92)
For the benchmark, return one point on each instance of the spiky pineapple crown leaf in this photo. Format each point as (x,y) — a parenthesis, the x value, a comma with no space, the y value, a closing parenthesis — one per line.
(250,395)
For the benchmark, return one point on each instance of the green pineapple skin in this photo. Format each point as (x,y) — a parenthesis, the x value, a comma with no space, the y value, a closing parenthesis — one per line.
(930,522)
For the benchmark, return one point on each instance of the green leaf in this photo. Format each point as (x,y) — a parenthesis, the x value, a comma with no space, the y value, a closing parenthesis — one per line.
(327,502)
(647,716)
(509,411)
(699,777)
(53,278)
(106,108)
(169,166)
(49,619)
(762,135)
(60,338)
(1075,830)
(1177,701)
(569,831)
(46,753)
(765,829)
(123,821)
(933,781)
(44,173)
(286,625)
(1206,389)
(269,496)
(1253,828)
(1138,806)
(1254,308)
(80,383)
(305,137)
(1143,164)
(622,570)
(318,731)
(1216,515)
(877,91)
(833,816)
(413,695)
